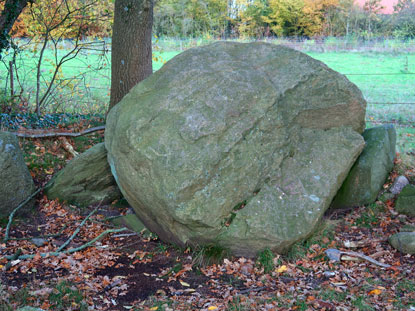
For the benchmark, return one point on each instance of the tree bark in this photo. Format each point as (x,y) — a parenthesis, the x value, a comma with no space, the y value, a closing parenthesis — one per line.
(11,11)
(131,59)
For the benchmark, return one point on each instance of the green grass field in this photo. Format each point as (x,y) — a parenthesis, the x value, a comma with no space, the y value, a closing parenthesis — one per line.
(387,77)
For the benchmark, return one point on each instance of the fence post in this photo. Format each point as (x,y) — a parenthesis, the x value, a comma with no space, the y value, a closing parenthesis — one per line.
(11,79)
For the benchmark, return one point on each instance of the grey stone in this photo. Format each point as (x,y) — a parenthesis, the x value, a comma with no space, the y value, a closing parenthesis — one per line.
(403,242)
(16,183)
(399,184)
(131,221)
(85,180)
(407,228)
(405,204)
(233,125)
(370,171)
(38,241)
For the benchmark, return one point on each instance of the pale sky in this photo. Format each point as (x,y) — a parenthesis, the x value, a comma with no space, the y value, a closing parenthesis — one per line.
(388,4)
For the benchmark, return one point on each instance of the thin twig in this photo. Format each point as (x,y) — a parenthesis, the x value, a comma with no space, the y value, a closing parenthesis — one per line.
(78,228)
(69,251)
(254,289)
(57,134)
(13,257)
(122,235)
(6,236)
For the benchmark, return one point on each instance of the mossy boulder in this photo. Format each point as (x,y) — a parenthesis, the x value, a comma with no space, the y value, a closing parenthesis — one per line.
(371,169)
(85,180)
(405,204)
(240,145)
(16,183)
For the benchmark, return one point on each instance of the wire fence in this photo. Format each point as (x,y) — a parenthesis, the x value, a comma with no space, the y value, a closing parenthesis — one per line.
(384,72)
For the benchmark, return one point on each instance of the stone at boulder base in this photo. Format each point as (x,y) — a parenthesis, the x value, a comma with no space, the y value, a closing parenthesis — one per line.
(85,180)
(240,145)
(405,204)
(399,184)
(131,221)
(403,242)
(371,169)
(16,183)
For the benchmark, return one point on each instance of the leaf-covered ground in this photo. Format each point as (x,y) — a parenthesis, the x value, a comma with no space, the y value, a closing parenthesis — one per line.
(132,271)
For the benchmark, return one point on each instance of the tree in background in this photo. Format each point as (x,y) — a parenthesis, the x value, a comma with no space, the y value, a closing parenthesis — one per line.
(131,60)
(316,15)
(341,18)
(372,9)
(48,25)
(9,14)
(404,19)
(190,18)
(284,17)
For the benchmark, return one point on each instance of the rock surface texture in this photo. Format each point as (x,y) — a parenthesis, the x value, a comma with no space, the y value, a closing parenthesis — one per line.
(403,242)
(371,169)
(86,180)
(243,145)
(405,204)
(399,184)
(16,182)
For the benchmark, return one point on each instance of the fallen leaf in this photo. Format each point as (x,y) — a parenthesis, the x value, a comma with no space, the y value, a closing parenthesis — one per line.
(184,283)
(281,269)
(212,308)
(376,291)
(49,172)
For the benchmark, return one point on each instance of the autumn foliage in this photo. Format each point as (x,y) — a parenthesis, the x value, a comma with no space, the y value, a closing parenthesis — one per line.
(235,18)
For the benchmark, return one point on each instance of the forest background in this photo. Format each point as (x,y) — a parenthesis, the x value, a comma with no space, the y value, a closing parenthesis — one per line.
(229,19)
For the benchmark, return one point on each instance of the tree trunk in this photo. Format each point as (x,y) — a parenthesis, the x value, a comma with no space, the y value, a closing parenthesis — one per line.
(11,11)
(131,46)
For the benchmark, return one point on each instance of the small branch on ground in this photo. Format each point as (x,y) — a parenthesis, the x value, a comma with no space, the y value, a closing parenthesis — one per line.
(78,228)
(68,147)
(6,235)
(13,257)
(69,251)
(59,134)
(337,255)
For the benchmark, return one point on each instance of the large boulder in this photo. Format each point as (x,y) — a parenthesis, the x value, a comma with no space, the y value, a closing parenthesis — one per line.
(369,173)
(243,145)
(17,184)
(85,180)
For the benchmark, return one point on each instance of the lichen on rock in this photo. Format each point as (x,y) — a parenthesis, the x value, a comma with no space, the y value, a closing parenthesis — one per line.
(229,123)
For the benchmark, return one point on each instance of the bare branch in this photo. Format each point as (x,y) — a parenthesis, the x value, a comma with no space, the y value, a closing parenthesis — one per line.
(57,134)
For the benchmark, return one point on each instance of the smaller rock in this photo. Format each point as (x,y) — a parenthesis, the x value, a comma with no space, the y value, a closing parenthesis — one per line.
(329,274)
(86,180)
(403,242)
(16,182)
(399,184)
(131,221)
(368,174)
(405,204)
(38,241)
